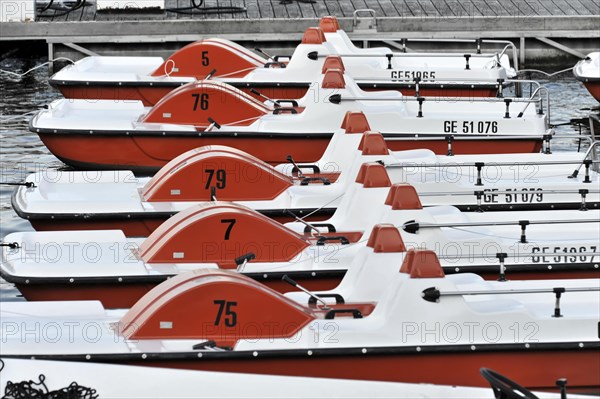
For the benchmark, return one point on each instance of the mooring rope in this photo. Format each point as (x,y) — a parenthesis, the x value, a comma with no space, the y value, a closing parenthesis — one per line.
(20,75)
(27,184)
(546,73)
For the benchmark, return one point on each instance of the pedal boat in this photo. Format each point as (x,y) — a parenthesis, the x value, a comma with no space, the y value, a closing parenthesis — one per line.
(148,79)
(107,266)
(60,200)
(587,71)
(105,134)
(422,321)
(117,382)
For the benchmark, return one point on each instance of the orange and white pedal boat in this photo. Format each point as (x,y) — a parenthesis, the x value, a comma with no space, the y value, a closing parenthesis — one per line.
(117,382)
(422,321)
(149,79)
(62,200)
(587,71)
(107,266)
(106,134)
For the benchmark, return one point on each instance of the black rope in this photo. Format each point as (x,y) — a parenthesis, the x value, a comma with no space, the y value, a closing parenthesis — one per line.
(65,10)
(12,245)
(27,184)
(286,2)
(38,390)
(196,8)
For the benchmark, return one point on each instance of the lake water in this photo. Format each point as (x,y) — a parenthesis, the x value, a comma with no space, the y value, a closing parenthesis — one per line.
(21,152)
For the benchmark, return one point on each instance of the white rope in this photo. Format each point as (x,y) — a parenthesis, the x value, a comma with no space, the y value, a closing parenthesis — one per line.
(4,118)
(20,75)
(546,73)
(167,74)
(234,72)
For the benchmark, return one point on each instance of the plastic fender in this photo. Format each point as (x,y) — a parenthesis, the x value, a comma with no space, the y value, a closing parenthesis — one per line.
(218,233)
(200,58)
(194,103)
(234,174)
(213,305)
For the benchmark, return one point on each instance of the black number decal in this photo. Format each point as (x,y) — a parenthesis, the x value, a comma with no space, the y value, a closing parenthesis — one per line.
(228,231)
(205,60)
(220,175)
(230,316)
(200,99)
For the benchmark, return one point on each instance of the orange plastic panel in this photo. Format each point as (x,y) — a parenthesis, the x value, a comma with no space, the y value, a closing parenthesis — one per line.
(333,62)
(213,305)
(235,175)
(373,174)
(333,79)
(373,143)
(385,237)
(194,103)
(329,24)
(198,59)
(218,233)
(355,122)
(403,196)
(422,263)
(313,36)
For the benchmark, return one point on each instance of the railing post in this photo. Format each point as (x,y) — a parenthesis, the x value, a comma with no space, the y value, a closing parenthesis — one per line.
(507,101)
(479,194)
(583,192)
(500,88)
(417,87)
(420,100)
(587,163)
(501,256)
(558,292)
(523,224)
(546,143)
(479,166)
(450,140)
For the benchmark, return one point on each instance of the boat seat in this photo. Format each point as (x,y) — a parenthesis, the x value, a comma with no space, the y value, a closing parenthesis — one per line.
(373,143)
(329,24)
(355,122)
(333,62)
(313,36)
(333,79)
(403,196)
(373,174)
(385,237)
(422,263)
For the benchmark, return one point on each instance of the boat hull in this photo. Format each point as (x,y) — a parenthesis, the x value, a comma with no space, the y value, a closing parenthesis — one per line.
(536,367)
(143,225)
(150,95)
(594,88)
(124,292)
(148,153)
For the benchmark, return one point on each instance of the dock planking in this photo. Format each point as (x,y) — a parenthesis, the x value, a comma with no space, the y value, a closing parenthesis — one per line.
(276,9)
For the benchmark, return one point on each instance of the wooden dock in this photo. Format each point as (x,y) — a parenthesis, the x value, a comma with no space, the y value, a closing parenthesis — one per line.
(276,9)
(546,28)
